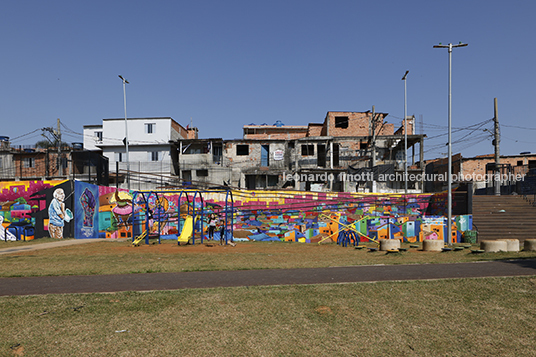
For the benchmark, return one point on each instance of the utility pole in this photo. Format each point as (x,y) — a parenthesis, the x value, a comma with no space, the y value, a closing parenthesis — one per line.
(497,180)
(58,141)
(405,137)
(449,47)
(126,129)
(373,126)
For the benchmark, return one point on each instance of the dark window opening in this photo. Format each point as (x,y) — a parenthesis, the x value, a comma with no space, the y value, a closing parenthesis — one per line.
(321,155)
(217,153)
(194,148)
(532,164)
(520,163)
(341,122)
(201,173)
(363,145)
(335,155)
(307,150)
(187,175)
(242,150)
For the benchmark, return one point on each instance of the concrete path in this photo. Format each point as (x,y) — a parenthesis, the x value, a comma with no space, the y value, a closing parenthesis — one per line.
(214,279)
(59,243)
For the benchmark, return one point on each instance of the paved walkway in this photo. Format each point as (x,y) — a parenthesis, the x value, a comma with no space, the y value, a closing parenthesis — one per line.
(59,243)
(213,279)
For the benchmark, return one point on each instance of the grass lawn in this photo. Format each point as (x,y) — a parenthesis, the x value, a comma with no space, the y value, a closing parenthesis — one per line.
(113,257)
(455,317)
(458,317)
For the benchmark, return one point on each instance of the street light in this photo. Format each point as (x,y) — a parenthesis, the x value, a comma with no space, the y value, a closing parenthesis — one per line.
(126,128)
(405,137)
(450,46)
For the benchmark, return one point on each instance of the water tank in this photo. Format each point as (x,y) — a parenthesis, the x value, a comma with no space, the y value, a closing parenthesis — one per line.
(279,124)
(78,146)
(4,138)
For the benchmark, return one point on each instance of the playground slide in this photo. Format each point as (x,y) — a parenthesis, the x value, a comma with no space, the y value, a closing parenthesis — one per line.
(186,233)
(139,238)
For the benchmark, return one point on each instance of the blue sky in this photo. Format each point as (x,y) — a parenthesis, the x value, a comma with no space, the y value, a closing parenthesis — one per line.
(224,64)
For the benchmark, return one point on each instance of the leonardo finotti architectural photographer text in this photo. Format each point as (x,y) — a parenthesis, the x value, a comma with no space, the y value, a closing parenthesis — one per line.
(369,176)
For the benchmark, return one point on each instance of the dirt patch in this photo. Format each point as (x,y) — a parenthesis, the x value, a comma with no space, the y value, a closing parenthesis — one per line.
(324,310)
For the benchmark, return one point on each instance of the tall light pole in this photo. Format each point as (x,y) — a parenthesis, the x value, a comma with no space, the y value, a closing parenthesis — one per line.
(405,137)
(125,82)
(450,46)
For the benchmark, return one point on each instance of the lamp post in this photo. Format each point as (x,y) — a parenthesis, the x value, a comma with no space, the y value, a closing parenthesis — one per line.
(405,137)
(126,128)
(450,46)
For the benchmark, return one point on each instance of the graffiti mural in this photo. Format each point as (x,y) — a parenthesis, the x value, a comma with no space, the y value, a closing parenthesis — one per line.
(89,211)
(86,210)
(18,207)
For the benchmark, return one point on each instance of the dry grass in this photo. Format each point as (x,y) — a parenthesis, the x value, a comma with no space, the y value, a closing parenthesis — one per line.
(112,257)
(476,317)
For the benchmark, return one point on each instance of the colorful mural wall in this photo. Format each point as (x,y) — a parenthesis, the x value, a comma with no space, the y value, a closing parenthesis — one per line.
(104,212)
(19,203)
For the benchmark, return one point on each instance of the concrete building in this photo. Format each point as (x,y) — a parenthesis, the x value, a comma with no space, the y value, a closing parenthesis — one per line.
(27,162)
(6,159)
(149,147)
(349,151)
(517,172)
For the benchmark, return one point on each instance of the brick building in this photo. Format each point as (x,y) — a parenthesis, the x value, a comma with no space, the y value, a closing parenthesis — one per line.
(480,170)
(317,156)
(32,163)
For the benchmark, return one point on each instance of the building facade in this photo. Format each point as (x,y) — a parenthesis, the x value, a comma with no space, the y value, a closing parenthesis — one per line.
(149,148)
(348,152)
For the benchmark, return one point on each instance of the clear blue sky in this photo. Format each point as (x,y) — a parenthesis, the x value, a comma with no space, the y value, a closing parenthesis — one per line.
(229,63)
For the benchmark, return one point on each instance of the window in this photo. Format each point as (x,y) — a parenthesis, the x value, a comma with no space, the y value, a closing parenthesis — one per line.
(153,156)
(201,173)
(242,150)
(98,135)
(273,180)
(119,156)
(187,175)
(150,128)
(519,162)
(307,150)
(341,122)
(194,148)
(29,162)
(1,163)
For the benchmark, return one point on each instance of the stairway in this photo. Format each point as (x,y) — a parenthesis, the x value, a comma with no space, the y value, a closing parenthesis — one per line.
(497,217)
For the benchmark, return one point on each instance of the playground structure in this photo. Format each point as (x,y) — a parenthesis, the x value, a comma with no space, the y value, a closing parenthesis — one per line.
(154,216)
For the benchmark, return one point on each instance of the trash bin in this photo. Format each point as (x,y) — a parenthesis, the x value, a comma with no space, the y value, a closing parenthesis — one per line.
(470,236)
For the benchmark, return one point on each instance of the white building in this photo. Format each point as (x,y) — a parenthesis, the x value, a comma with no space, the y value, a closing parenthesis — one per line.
(148,146)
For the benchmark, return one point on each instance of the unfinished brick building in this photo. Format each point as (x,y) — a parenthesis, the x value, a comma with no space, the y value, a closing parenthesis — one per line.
(349,151)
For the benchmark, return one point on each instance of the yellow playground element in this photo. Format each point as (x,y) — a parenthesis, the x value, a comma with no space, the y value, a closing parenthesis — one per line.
(139,238)
(186,233)
(347,226)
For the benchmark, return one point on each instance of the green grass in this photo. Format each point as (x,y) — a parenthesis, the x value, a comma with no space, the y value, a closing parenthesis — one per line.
(458,317)
(112,257)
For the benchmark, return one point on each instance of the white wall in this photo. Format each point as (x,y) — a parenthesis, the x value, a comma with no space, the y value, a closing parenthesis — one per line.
(90,141)
(114,131)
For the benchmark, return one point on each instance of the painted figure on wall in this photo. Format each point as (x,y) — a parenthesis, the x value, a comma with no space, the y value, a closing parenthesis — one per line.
(123,207)
(87,200)
(159,215)
(58,214)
